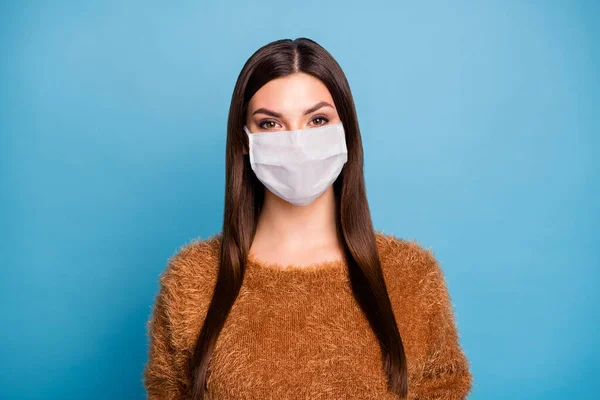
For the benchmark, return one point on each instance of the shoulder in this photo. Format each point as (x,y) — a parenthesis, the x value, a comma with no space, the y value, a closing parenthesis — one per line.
(417,290)
(413,276)
(194,262)
(407,262)
(186,287)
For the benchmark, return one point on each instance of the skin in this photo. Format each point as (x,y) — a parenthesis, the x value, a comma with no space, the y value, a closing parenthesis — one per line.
(290,235)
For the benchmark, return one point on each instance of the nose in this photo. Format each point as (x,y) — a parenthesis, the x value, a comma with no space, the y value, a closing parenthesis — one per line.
(295,125)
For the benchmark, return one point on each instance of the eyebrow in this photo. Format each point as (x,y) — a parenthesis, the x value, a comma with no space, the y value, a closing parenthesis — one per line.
(278,115)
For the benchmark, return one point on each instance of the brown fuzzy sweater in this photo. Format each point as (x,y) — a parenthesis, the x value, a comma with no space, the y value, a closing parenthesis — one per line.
(298,333)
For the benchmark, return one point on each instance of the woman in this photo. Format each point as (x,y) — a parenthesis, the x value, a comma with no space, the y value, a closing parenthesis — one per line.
(298,297)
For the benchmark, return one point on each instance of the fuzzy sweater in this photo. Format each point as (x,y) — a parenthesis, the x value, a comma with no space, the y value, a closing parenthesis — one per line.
(298,333)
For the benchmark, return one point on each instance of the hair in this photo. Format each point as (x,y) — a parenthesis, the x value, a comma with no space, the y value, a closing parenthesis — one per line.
(244,195)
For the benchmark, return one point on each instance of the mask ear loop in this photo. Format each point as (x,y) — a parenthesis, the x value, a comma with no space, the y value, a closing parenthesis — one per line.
(247,142)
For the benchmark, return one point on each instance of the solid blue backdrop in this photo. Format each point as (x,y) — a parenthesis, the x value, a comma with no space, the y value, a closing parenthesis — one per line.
(480,125)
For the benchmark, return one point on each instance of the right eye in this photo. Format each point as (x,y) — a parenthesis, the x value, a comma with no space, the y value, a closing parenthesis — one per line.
(267,124)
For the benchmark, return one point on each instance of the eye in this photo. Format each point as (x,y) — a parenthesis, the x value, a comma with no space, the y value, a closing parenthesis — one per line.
(267,124)
(321,120)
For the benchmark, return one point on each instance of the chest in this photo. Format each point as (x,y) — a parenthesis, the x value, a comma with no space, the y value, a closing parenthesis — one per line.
(297,342)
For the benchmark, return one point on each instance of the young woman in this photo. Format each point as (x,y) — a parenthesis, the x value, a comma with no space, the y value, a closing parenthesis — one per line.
(299,297)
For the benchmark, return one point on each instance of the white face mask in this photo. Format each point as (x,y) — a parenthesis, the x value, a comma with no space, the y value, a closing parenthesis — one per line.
(299,165)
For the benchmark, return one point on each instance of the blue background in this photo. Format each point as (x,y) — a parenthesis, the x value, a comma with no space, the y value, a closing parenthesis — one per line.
(481,135)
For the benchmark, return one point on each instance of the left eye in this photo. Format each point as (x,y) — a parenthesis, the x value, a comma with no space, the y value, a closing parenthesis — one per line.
(322,119)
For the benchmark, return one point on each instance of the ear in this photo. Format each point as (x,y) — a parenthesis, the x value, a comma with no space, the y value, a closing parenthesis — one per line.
(245,146)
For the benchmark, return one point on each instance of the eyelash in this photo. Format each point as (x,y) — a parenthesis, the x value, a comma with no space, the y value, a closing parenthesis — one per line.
(325,119)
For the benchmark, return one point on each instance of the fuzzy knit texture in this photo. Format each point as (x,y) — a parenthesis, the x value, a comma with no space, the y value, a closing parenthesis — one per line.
(296,332)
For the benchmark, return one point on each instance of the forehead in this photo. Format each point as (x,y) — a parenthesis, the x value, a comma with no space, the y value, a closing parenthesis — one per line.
(291,94)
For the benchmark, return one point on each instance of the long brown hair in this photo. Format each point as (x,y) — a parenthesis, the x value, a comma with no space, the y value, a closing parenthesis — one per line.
(244,196)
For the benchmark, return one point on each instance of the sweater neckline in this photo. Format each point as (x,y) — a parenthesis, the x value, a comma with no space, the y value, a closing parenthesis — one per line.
(317,268)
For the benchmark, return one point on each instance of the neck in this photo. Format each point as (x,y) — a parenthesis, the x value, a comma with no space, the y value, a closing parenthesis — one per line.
(295,228)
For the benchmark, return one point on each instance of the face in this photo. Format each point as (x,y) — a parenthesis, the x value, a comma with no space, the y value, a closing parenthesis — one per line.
(297,101)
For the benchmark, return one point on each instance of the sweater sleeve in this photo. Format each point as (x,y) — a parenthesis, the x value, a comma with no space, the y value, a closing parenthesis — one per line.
(163,376)
(446,373)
